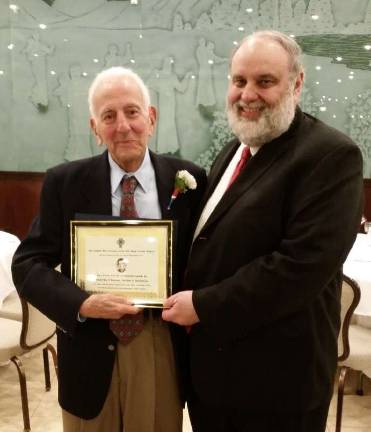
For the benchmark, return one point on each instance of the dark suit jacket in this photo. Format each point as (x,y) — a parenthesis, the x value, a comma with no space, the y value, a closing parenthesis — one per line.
(266,269)
(85,355)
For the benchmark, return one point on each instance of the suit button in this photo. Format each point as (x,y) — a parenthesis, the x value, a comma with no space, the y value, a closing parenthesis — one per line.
(61,329)
(111,347)
(220,349)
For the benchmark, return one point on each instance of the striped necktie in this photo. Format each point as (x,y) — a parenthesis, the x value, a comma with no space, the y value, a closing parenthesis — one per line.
(128,326)
(245,155)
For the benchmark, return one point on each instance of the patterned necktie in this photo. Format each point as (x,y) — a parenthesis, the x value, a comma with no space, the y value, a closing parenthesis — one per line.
(128,209)
(128,326)
(245,155)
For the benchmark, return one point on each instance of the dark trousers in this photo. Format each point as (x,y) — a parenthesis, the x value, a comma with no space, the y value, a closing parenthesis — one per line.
(206,418)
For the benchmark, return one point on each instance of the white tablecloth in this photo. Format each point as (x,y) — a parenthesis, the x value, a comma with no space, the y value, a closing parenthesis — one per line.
(8,245)
(358,267)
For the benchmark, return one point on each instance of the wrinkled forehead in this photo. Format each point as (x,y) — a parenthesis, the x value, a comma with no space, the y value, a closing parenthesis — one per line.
(118,88)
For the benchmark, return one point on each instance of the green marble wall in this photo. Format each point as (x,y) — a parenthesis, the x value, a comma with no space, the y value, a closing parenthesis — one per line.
(51,49)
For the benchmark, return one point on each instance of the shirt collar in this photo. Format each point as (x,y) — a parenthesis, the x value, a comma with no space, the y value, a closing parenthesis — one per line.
(140,174)
(253,150)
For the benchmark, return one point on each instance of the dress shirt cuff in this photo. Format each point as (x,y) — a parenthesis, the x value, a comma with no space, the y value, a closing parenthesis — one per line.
(80,318)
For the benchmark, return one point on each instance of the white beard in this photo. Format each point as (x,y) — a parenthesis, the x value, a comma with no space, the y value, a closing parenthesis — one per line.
(273,122)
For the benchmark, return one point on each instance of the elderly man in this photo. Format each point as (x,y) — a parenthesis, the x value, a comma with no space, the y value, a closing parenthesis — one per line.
(266,312)
(105,385)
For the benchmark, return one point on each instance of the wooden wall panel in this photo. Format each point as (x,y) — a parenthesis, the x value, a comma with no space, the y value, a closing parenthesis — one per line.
(367,188)
(19,200)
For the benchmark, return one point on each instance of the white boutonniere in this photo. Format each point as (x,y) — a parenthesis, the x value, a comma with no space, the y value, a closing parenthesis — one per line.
(183,181)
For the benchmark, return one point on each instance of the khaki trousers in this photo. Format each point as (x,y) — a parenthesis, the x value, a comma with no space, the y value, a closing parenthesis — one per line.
(143,396)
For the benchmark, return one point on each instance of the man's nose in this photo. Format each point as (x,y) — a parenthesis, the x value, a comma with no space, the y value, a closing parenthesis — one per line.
(122,123)
(249,93)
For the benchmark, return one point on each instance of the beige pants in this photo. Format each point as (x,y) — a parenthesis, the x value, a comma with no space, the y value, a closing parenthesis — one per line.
(143,396)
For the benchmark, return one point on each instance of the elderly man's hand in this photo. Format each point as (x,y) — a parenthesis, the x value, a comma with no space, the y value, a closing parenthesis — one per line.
(107,306)
(179,309)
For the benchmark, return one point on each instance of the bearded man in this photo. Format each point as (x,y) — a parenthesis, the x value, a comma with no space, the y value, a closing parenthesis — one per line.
(264,277)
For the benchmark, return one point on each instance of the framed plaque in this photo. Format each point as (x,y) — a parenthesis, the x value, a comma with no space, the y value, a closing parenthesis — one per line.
(132,258)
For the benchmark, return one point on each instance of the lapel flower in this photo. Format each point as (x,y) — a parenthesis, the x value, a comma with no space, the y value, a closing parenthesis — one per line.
(183,181)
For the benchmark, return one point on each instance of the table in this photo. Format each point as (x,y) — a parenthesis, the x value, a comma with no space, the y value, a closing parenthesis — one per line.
(8,245)
(358,267)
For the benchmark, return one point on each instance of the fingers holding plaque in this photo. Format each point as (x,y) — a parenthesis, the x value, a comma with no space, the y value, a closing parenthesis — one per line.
(132,258)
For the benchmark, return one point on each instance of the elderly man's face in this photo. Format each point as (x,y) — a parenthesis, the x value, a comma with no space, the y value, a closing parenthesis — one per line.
(261,97)
(122,121)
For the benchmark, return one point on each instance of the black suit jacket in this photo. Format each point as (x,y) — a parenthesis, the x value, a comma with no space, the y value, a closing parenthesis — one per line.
(85,355)
(266,270)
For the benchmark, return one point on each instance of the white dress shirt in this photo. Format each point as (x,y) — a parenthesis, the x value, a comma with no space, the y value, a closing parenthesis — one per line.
(145,195)
(221,187)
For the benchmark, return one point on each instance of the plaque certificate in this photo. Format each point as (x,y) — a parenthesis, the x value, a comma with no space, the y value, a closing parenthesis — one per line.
(132,258)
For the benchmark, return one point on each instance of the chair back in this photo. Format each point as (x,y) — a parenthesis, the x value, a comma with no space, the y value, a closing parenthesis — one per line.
(36,327)
(350,296)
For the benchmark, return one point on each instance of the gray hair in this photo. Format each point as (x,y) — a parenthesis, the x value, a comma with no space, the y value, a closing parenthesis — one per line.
(287,43)
(116,72)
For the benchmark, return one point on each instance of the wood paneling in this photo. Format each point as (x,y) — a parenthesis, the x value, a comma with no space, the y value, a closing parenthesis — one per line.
(367,187)
(19,200)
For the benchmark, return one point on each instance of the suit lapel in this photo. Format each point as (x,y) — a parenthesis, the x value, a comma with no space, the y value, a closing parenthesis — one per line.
(96,190)
(256,167)
(164,182)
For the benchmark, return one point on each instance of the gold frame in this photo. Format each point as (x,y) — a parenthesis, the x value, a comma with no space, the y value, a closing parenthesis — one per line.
(132,258)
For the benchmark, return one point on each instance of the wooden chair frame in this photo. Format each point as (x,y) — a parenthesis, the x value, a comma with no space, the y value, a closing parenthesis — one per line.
(346,349)
(26,346)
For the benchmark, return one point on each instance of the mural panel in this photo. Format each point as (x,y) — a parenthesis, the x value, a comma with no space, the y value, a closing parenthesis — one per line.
(52,49)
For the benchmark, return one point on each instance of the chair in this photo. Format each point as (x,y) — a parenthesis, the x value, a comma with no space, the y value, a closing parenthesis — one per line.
(12,307)
(354,344)
(18,338)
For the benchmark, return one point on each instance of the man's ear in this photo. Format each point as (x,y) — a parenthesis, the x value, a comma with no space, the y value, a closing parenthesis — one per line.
(152,114)
(93,127)
(299,81)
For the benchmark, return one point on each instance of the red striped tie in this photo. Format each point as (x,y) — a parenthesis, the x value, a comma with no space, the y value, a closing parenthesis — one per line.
(245,155)
(128,326)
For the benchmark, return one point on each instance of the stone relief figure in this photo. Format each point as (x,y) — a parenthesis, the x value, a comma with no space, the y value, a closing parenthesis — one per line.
(203,22)
(73,91)
(178,24)
(112,57)
(128,58)
(165,82)
(36,52)
(206,58)
(225,15)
